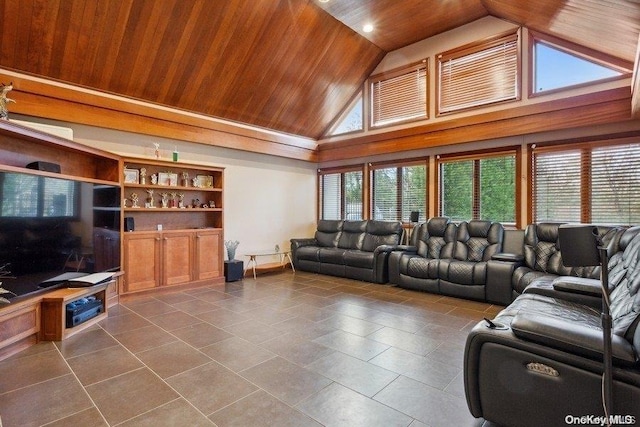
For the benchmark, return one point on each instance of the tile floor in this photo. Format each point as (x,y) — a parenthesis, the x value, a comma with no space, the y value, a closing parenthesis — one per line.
(284,350)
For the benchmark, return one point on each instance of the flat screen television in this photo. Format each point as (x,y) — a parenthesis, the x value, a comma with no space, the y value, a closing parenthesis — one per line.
(47,227)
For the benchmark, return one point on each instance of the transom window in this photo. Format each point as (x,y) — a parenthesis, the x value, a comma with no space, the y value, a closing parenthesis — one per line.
(352,120)
(399,95)
(551,58)
(479,74)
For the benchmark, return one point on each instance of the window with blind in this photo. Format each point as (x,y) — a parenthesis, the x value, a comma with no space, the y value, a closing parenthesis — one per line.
(399,96)
(590,185)
(478,75)
(31,196)
(482,188)
(341,195)
(396,191)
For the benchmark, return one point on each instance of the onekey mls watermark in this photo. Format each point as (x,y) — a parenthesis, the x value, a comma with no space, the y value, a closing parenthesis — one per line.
(600,420)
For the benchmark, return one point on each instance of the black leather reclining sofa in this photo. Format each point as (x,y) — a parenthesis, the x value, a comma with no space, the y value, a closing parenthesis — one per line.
(352,249)
(543,363)
(448,258)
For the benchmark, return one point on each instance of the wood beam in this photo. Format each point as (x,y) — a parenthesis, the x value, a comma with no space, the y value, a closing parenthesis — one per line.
(52,100)
(599,108)
(635,85)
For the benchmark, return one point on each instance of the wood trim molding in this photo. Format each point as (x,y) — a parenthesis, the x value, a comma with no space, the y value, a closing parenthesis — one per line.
(608,106)
(635,85)
(54,100)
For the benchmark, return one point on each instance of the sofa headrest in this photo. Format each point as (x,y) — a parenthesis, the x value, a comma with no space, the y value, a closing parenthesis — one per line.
(628,235)
(437,226)
(382,228)
(330,225)
(548,231)
(478,240)
(354,226)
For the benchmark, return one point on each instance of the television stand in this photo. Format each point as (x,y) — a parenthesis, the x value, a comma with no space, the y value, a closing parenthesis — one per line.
(54,322)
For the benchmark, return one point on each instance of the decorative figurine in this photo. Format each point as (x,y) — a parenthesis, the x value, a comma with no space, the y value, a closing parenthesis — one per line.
(134,200)
(173,203)
(181,201)
(154,179)
(4,101)
(185,179)
(143,176)
(195,203)
(149,203)
(195,182)
(164,200)
(156,146)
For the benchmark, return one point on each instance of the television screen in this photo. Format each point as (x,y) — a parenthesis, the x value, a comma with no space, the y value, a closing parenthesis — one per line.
(49,226)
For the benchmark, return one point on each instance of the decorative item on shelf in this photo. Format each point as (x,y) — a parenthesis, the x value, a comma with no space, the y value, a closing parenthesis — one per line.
(185,179)
(163,178)
(149,203)
(164,199)
(195,203)
(143,176)
(277,248)
(4,101)
(181,201)
(173,202)
(5,291)
(231,246)
(195,182)
(154,179)
(173,179)
(175,154)
(205,181)
(134,200)
(131,176)
(212,203)
(156,147)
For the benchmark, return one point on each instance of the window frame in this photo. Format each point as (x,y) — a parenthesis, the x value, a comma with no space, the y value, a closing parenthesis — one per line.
(582,52)
(477,156)
(473,48)
(421,161)
(359,96)
(342,171)
(586,148)
(387,75)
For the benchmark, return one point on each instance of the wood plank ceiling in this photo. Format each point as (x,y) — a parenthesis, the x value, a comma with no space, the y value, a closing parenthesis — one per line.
(286,65)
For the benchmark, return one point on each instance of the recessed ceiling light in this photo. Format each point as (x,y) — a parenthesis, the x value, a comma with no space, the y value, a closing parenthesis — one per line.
(367,28)
(323,1)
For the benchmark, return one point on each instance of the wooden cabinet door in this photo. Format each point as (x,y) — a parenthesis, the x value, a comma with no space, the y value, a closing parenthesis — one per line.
(208,254)
(142,261)
(106,249)
(177,265)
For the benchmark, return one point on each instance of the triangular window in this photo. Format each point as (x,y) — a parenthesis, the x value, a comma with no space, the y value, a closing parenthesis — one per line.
(557,67)
(351,121)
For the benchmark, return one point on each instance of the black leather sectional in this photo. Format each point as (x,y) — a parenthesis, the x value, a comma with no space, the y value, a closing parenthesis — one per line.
(543,363)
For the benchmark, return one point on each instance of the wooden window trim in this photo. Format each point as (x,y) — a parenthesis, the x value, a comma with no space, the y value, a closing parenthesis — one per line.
(600,58)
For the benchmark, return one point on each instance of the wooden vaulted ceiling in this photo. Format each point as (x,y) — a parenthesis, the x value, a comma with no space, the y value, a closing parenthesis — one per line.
(286,65)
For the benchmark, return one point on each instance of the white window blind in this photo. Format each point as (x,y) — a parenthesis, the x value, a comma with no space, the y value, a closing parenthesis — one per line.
(591,184)
(556,186)
(331,196)
(399,97)
(341,195)
(615,185)
(399,190)
(478,76)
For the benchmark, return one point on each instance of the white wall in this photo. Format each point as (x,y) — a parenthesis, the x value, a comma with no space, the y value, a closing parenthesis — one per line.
(267,200)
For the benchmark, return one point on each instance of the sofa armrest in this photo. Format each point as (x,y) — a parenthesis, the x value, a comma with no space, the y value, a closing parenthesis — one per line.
(507,257)
(298,243)
(571,337)
(578,285)
(498,288)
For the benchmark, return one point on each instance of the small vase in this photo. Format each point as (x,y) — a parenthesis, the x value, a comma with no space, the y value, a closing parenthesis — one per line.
(231,246)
